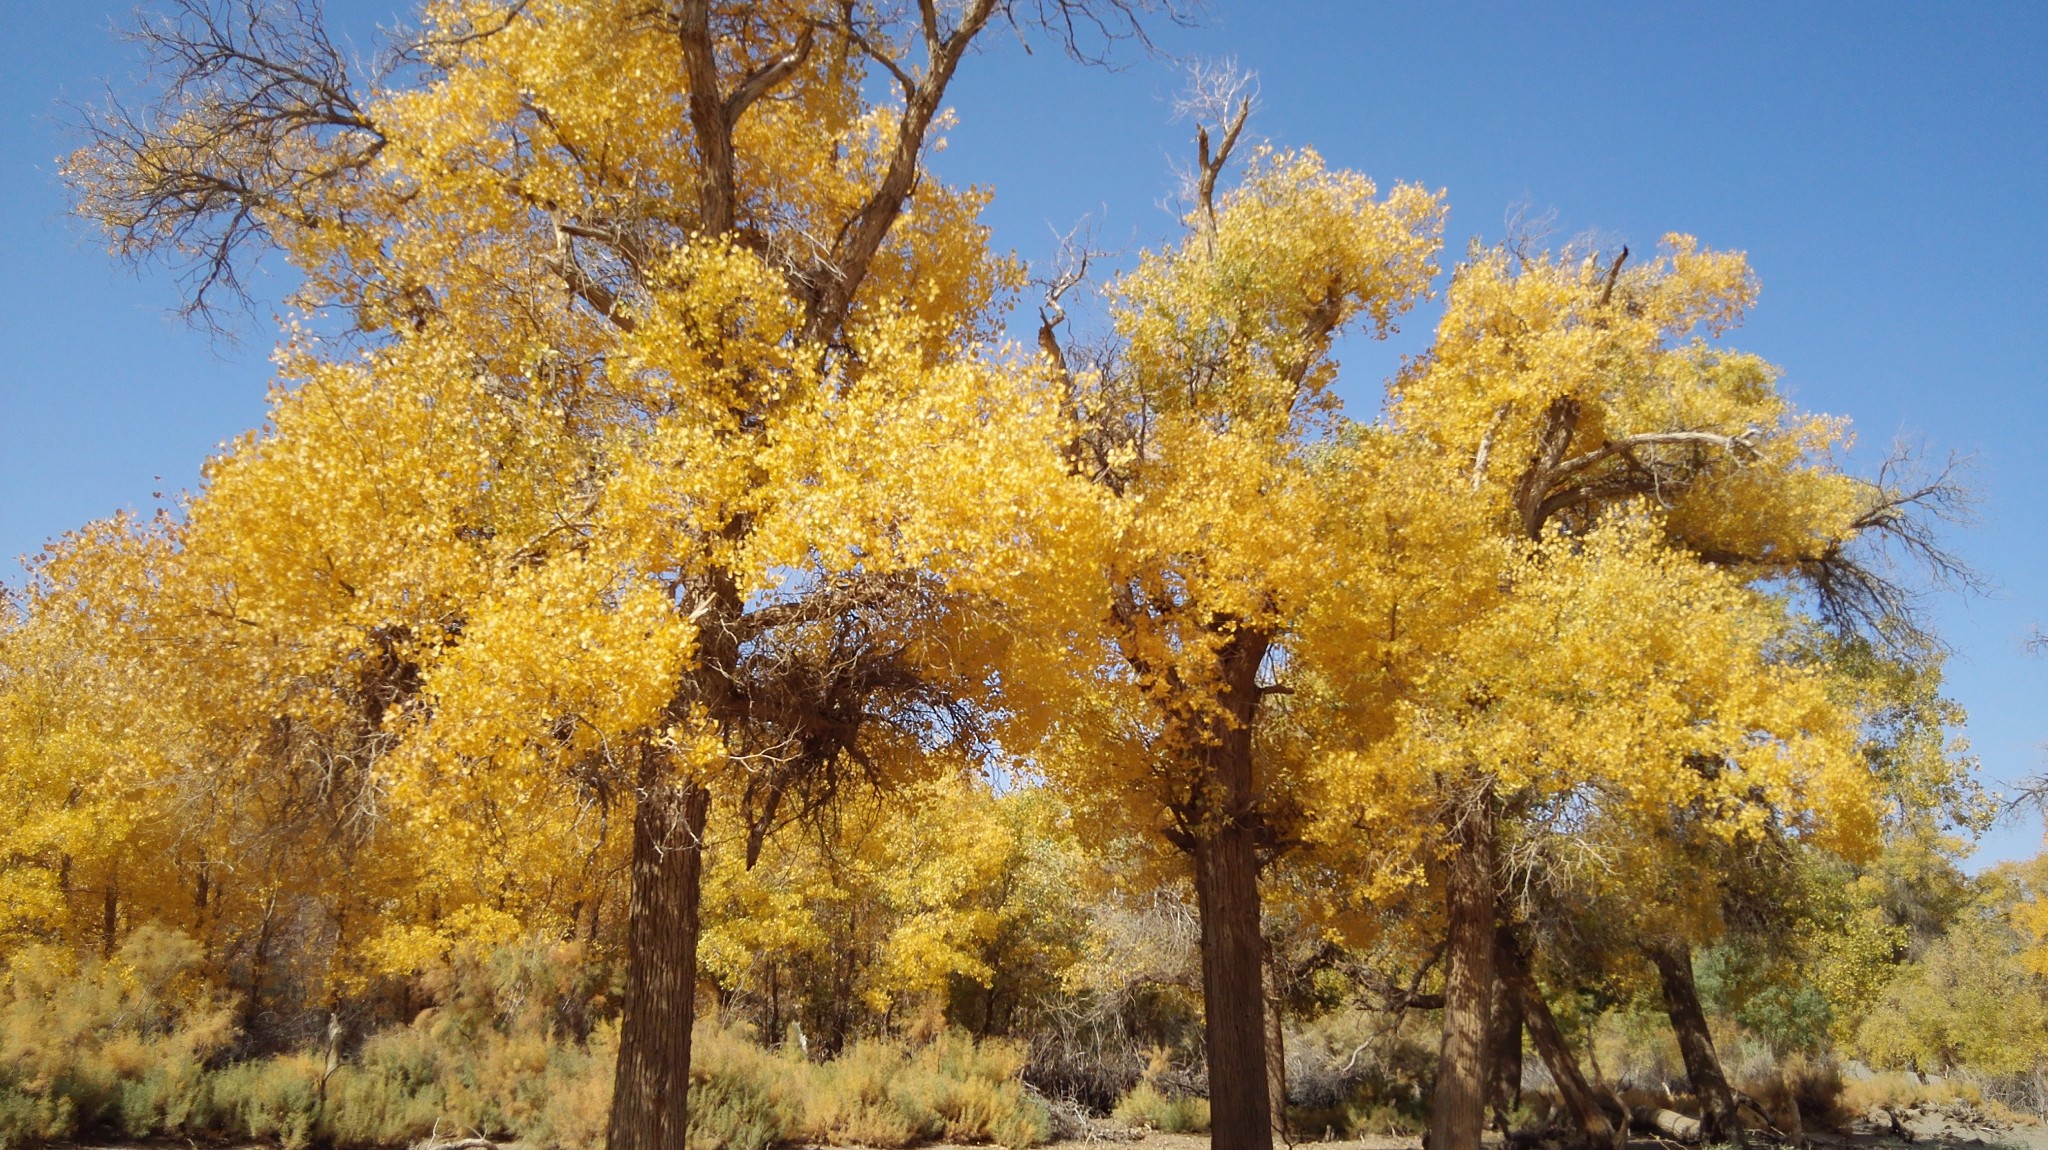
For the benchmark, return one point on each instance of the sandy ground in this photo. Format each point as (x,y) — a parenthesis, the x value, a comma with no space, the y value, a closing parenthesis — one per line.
(1929,1132)
(1938,1130)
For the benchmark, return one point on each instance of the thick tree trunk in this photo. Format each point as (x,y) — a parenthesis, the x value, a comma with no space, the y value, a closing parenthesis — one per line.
(1689,1022)
(1457,1114)
(1276,1051)
(651,1088)
(1503,1046)
(1222,834)
(1227,894)
(1594,1126)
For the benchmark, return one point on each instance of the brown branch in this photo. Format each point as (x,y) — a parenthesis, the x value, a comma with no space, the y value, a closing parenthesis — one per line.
(712,117)
(1613,275)
(716,194)
(862,237)
(1741,446)
(1560,420)
(1212,166)
(766,77)
(251,110)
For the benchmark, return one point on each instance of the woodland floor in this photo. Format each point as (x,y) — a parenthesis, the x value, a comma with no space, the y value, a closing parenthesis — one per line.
(1938,1132)
(1930,1132)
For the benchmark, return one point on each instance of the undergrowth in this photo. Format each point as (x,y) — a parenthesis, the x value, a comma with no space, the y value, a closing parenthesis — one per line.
(133,1046)
(1148,1107)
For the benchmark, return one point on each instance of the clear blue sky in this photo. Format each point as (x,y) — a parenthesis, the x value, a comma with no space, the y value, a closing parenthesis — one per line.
(1885,165)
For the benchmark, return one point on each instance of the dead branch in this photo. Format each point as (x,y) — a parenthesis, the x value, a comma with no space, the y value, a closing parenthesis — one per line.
(1088,31)
(1218,99)
(253,110)
(1872,583)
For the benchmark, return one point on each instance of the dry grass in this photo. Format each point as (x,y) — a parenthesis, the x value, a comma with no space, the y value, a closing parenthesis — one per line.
(131,1047)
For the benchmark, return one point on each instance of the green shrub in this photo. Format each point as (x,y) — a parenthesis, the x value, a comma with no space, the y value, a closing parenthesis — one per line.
(1146,1107)
(116,1045)
(390,1096)
(272,1098)
(890,1094)
(744,1097)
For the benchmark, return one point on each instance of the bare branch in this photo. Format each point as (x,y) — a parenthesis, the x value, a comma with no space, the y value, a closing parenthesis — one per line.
(1070,270)
(250,112)
(1613,274)
(1868,584)
(1090,30)
(764,79)
(1219,95)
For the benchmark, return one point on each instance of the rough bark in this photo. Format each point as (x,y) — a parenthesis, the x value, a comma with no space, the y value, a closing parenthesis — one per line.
(651,1088)
(1222,832)
(1689,1022)
(1457,1114)
(1503,1048)
(1227,895)
(1598,1132)
(1276,1051)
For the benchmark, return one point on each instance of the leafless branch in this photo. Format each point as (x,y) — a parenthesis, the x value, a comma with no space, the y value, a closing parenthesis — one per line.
(1872,583)
(1218,97)
(1077,252)
(1613,276)
(251,109)
(1088,31)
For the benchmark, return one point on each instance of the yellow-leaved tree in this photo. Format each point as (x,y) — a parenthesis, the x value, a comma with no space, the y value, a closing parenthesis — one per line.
(1201,420)
(668,455)
(948,899)
(1645,492)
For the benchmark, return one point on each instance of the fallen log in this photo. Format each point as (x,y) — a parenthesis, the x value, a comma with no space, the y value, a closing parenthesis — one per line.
(1669,1123)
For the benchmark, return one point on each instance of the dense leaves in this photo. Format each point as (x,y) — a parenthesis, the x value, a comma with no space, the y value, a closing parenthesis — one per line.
(647,479)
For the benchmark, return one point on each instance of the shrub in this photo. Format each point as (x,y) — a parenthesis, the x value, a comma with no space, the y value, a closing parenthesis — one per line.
(122,1047)
(961,1090)
(392,1094)
(1800,1094)
(744,1097)
(115,1044)
(1349,1075)
(954,1088)
(1145,1106)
